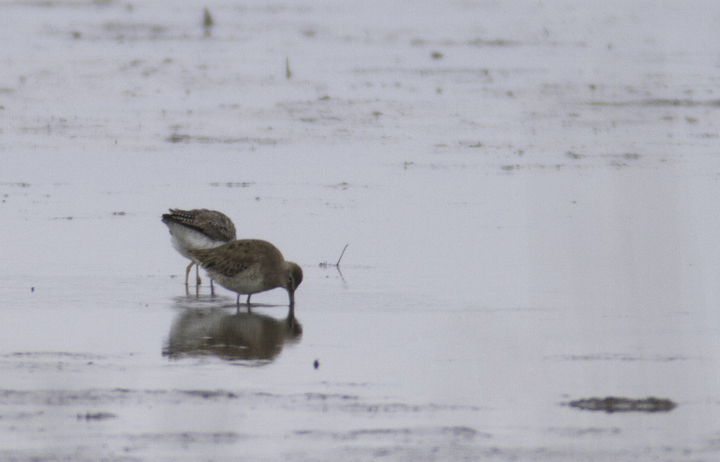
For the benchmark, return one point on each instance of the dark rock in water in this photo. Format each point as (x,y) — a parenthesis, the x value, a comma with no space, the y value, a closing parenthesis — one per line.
(614,404)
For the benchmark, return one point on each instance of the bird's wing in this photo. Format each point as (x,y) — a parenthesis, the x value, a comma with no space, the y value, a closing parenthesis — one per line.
(216,225)
(211,223)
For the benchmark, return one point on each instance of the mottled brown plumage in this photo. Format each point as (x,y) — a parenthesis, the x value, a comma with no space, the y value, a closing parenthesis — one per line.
(213,224)
(198,229)
(249,266)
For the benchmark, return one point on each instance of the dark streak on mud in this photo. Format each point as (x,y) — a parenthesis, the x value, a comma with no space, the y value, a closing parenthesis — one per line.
(181,138)
(616,357)
(96,416)
(660,103)
(460,432)
(124,396)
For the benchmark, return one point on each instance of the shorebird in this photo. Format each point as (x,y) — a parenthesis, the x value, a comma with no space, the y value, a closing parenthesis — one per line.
(198,229)
(249,266)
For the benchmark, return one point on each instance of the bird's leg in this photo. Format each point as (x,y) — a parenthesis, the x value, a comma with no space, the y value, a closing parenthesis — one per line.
(197,274)
(212,288)
(187,272)
(248,300)
(238,301)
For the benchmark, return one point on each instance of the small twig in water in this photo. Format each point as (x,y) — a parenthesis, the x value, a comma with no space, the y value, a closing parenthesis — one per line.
(341,255)
(336,265)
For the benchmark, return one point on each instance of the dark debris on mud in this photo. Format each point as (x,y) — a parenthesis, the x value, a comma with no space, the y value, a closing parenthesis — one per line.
(613,404)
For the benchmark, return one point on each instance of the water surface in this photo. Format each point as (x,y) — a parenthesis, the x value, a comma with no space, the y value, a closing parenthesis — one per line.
(526,189)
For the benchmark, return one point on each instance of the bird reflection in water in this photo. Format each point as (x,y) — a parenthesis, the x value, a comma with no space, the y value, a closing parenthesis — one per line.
(237,336)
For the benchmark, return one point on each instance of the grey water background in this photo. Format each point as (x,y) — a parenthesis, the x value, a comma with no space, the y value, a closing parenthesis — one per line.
(528,190)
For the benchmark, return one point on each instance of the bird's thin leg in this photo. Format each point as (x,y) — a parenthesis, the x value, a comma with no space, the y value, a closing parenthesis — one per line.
(197,274)
(248,300)
(187,272)
(212,288)
(238,301)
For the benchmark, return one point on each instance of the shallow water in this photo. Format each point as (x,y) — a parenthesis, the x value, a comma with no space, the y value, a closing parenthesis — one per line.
(526,190)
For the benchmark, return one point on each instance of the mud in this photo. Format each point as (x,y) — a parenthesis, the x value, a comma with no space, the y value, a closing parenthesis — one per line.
(526,191)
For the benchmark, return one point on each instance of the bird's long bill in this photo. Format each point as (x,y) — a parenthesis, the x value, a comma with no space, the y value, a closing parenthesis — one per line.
(291,294)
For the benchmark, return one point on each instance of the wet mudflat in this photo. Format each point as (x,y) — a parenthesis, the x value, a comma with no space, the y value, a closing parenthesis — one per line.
(527,189)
